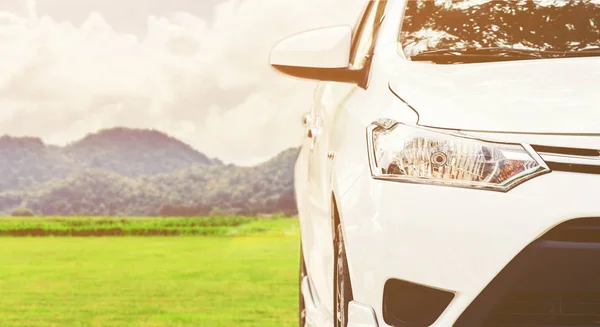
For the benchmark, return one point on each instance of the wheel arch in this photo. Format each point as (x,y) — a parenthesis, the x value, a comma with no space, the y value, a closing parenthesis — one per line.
(336,218)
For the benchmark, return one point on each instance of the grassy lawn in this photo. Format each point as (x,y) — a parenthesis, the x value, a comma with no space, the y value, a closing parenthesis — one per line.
(153,281)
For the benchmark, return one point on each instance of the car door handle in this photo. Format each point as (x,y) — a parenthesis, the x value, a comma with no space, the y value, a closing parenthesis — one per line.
(309,121)
(314,130)
(306,118)
(313,125)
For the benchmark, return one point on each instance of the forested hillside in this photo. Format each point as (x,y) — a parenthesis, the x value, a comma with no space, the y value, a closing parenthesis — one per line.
(137,173)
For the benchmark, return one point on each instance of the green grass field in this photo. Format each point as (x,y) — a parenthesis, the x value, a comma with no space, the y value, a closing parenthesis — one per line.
(245,276)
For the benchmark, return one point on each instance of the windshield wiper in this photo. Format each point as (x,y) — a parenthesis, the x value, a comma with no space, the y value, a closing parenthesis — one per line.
(589,50)
(486,51)
(473,54)
(481,54)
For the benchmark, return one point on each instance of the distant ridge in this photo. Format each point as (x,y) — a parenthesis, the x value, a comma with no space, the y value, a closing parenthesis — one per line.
(10,142)
(135,152)
(122,171)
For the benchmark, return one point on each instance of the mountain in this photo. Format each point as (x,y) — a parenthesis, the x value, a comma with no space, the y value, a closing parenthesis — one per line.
(131,172)
(134,152)
(26,162)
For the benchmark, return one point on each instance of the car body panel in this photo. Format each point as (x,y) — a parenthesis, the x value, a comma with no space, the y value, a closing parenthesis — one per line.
(533,96)
(331,97)
(454,239)
(449,238)
(336,106)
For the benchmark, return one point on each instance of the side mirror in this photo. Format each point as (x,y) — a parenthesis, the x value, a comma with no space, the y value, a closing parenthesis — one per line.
(322,54)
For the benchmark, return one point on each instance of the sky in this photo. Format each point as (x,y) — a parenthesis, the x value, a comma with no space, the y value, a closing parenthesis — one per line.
(194,69)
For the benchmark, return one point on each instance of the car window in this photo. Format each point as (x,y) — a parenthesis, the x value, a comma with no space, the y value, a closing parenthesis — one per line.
(540,25)
(365,33)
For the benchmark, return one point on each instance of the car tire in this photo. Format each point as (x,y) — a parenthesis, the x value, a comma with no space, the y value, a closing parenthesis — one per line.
(342,294)
(301,304)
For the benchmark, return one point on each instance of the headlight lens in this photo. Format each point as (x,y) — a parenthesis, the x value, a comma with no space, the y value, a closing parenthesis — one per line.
(421,155)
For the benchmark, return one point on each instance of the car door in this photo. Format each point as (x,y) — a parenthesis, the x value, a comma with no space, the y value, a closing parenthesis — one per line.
(329,98)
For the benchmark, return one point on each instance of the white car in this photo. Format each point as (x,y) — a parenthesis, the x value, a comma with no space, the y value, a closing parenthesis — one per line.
(450,174)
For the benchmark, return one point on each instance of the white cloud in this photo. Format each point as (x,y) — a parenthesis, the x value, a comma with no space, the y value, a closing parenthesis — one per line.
(209,85)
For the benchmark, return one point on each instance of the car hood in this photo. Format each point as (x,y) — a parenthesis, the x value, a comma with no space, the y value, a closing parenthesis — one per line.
(528,96)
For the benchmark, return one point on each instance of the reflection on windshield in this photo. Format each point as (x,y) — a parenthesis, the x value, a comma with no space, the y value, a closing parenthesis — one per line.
(547,25)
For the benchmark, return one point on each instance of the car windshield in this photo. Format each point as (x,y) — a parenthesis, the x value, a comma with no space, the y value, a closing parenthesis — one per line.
(563,27)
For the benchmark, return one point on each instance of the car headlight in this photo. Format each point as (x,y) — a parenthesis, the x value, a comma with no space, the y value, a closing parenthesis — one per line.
(405,153)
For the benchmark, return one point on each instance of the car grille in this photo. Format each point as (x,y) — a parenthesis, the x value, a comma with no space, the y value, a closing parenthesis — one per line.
(548,310)
(567,295)
(585,230)
(576,160)
(553,282)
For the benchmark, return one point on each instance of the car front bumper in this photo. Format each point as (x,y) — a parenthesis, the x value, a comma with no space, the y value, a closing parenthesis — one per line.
(452,239)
